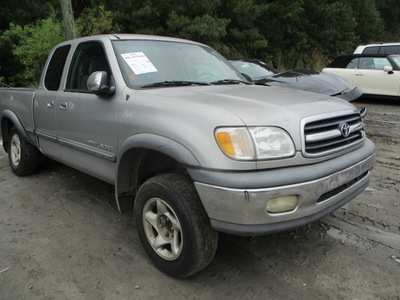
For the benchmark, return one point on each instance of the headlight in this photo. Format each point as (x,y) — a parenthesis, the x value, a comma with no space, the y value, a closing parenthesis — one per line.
(255,143)
(272,142)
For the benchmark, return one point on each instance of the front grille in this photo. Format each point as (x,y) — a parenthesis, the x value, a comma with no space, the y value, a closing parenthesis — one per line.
(325,135)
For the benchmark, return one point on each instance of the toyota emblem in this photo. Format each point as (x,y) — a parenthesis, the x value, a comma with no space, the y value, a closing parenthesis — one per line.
(345,129)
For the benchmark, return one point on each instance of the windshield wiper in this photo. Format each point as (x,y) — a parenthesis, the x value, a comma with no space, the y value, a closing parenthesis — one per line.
(230,81)
(172,83)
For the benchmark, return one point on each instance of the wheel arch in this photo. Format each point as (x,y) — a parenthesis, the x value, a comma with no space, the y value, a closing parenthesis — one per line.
(8,120)
(143,156)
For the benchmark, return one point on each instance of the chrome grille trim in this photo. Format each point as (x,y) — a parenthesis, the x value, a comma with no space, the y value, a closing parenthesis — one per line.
(322,134)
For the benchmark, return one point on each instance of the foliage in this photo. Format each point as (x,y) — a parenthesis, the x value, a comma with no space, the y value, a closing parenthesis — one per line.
(2,81)
(304,29)
(94,21)
(287,33)
(370,26)
(245,37)
(30,53)
(23,12)
(390,14)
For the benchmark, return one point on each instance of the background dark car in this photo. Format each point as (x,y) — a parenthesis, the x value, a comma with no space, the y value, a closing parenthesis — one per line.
(306,80)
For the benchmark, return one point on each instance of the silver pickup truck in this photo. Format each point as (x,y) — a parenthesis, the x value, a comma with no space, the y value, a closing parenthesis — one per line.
(189,144)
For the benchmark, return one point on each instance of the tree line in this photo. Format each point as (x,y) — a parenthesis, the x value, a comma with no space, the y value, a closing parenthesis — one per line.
(286,33)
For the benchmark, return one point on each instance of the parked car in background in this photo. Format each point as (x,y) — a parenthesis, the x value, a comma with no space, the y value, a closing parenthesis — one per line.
(379,48)
(306,80)
(375,74)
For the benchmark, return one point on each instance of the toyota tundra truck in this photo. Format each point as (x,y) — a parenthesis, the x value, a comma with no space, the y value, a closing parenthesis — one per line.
(191,146)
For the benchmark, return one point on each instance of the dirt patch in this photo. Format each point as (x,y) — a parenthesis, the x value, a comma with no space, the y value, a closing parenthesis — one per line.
(379,206)
(61,238)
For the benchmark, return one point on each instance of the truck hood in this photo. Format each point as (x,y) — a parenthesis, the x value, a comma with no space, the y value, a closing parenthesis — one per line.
(254,105)
(191,114)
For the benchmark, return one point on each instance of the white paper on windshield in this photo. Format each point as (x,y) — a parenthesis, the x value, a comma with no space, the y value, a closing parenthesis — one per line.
(139,63)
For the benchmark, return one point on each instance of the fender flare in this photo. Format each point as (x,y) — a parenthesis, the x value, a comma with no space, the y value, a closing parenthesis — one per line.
(149,141)
(10,115)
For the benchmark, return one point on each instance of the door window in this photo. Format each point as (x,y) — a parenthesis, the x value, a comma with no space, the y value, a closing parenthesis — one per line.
(373,63)
(353,64)
(380,63)
(88,58)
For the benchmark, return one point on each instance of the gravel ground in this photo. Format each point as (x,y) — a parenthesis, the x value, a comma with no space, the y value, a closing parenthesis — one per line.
(61,238)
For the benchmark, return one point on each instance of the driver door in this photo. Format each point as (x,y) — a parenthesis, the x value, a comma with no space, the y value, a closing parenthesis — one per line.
(86,123)
(371,77)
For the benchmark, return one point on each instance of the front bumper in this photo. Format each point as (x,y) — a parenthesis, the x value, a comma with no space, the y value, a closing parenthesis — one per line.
(242,211)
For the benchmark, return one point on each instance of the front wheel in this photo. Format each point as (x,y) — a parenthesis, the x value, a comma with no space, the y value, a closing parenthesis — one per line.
(23,157)
(173,226)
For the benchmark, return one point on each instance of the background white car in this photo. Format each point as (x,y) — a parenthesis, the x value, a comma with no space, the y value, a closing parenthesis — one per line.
(374,74)
(379,48)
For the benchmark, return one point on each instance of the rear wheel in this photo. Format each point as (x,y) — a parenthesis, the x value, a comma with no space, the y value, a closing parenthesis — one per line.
(173,226)
(23,157)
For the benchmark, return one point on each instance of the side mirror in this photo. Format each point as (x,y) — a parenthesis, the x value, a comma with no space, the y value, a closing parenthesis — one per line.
(98,83)
(388,69)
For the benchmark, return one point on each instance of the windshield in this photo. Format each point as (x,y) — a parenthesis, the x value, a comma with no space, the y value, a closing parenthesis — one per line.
(396,59)
(255,70)
(152,63)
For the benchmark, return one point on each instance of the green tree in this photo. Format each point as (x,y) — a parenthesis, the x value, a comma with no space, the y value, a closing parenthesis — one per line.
(204,28)
(390,14)
(191,19)
(30,53)
(287,33)
(21,12)
(2,81)
(331,28)
(24,12)
(370,26)
(301,33)
(283,29)
(245,35)
(94,21)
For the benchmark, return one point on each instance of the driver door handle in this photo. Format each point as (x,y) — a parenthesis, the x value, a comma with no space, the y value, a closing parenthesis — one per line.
(63,105)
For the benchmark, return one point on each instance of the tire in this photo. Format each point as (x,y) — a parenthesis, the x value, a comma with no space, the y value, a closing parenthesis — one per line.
(173,226)
(23,157)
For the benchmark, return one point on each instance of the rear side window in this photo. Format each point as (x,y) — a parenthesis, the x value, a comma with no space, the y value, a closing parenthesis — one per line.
(389,50)
(382,50)
(56,67)
(371,50)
